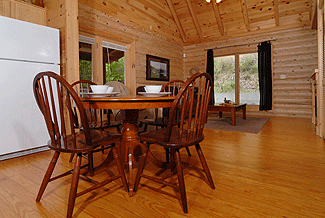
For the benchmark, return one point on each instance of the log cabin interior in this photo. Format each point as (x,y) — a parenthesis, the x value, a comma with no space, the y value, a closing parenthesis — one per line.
(278,172)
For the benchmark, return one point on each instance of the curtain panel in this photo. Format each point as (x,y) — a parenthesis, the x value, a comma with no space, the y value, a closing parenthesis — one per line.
(265,75)
(210,70)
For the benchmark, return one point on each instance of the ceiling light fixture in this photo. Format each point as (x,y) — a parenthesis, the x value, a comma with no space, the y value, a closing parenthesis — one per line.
(217,1)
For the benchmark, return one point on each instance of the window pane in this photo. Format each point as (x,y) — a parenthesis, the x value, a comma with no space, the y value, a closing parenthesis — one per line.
(248,79)
(224,78)
(85,64)
(113,65)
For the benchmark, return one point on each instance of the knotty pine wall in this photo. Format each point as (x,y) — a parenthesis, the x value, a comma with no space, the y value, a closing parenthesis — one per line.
(114,30)
(294,55)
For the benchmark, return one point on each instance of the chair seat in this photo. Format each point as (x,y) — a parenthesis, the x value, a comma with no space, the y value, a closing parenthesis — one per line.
(157,137)
(98,137)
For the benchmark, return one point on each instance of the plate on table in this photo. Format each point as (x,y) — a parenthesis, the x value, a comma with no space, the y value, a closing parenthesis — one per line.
(101,95)
(159,94)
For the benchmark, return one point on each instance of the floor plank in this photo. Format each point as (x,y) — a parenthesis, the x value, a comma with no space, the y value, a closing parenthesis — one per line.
(279,172)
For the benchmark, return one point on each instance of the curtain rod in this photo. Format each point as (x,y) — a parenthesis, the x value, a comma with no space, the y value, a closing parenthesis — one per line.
(229,46)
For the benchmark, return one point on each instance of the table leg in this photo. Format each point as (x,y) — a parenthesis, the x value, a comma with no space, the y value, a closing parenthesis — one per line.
(130,142)
(233,117)
(244,112)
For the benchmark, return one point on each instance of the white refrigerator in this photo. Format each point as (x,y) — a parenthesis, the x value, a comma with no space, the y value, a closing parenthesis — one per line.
(25,50)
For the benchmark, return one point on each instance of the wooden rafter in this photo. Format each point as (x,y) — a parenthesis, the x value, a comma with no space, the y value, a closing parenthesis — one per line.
(178,23)
(218,18)
(276,12)
(243,4)
(321,4)
(313,21)
(195,20)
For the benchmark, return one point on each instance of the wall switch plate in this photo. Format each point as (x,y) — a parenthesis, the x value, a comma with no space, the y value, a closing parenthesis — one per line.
(282,76)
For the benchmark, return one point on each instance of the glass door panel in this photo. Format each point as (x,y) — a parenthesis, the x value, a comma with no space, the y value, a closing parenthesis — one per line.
(248,79)
(224,78)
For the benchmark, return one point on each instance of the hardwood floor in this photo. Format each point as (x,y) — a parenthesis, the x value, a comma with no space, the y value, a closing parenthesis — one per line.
(279,172)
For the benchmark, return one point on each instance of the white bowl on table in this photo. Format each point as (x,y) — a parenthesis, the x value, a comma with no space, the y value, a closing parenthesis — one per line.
(110,89)
(153,88)
(99,88)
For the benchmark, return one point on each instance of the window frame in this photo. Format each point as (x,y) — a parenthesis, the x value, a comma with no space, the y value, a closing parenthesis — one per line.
(237,73)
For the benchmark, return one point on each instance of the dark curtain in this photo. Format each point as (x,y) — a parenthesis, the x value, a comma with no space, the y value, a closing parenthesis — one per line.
(265,75)
(210,70)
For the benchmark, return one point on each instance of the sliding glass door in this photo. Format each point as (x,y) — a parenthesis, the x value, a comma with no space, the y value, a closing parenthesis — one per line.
(236,78)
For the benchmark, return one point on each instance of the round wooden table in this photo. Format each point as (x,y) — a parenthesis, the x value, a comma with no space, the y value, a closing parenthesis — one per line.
(129,106)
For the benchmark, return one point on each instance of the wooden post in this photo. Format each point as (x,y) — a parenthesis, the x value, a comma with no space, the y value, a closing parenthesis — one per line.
(97,60)
(237,79)
(71,40)
(320,97)
(130,71)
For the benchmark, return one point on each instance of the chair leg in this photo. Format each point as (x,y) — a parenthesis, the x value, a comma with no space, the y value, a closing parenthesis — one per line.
(71,157)
(181,180)
(167,155)
(74,185)
(120,168)
(145,127)
(48,175)
(188,151)
(91,163)
(204,165)
(141,166)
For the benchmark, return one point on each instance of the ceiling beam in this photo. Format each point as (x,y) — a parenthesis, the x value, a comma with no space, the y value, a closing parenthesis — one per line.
(276,12)
(178,23)
(218,18)
(195,20)
(321,4)
(313,21)
(243,4)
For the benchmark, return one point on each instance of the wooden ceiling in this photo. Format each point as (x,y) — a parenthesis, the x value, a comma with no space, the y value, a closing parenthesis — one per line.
(196,21)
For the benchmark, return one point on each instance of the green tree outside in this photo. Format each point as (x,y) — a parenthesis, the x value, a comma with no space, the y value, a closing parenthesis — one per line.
(116,71)
(85,70)
(224,72)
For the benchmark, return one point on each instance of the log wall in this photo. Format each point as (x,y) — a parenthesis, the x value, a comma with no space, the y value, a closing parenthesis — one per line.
(294,56)
(117,31)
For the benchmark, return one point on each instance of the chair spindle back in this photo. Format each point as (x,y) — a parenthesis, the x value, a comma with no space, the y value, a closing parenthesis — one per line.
(190,108)
(56,100)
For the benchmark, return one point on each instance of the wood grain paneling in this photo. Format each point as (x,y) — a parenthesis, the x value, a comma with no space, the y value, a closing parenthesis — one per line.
(294,57)
(93,21)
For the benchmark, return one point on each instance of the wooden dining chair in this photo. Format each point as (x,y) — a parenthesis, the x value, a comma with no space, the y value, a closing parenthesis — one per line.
(56,100)
(95,117)
(191,108)
(161,121)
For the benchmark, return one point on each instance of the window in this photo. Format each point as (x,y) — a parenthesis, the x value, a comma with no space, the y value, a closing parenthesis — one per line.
(236,78)
(85,58)
(113,61)
(92,68)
